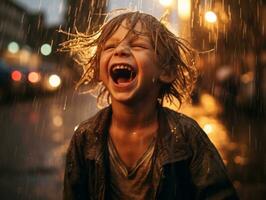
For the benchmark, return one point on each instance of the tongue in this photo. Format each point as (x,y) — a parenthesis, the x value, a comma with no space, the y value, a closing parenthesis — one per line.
(123,80)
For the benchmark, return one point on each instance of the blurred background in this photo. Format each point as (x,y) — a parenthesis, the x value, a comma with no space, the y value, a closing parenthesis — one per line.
(39,107)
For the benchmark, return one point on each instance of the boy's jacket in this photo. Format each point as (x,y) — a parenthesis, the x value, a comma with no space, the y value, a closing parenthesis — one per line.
(189,166)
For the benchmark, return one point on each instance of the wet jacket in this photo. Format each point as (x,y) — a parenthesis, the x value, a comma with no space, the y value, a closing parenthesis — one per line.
(188,165)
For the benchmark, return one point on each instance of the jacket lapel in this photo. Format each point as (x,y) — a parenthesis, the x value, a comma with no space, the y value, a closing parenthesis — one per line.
(171,142)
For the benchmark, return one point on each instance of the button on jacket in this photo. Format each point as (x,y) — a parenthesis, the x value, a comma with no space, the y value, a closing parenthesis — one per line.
(187,164)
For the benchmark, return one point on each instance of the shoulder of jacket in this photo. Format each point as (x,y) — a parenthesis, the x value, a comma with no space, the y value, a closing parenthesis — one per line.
(188,129)
(180,121)
(88,127)
(179,118)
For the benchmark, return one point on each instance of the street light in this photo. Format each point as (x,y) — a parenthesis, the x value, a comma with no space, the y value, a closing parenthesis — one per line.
(210,17)
(166,3)
(168,11)
(184,9)
(54,81)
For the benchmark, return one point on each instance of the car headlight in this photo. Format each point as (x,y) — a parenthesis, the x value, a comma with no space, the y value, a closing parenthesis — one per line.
(54,81)
(34,77)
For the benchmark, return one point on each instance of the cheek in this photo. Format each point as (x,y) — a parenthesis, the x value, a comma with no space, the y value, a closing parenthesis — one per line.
(154,66)
(103,67)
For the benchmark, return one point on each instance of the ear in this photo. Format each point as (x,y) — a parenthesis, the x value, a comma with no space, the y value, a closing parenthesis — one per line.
(167,76)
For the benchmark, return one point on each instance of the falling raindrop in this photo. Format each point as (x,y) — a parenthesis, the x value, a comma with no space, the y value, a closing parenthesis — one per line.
(65,103)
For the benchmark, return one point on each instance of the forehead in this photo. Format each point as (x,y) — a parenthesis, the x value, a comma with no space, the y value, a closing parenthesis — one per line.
(125,30)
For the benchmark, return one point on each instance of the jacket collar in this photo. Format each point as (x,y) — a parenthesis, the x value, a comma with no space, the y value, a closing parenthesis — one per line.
(171,143)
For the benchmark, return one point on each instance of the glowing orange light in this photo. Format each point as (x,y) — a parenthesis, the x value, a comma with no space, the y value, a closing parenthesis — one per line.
(208,128)
(33,77)
(16,75)
(165,3)
(211,17)
(184,8)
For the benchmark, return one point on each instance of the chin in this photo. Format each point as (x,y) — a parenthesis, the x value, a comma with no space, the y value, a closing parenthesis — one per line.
(124,98)
(125,94)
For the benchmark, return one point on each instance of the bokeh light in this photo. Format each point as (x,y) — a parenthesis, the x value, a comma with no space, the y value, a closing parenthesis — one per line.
(34,77)
(54,81)
(13,47)
(211,17)
(57,121)
(208,128)
(16,75)
(46,49)
(165,3)
(184,8)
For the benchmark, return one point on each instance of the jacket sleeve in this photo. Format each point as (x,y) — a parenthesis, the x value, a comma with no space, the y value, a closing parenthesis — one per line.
(207,168)
(75,178)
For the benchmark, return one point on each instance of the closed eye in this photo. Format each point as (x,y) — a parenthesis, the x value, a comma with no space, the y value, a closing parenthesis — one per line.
(109,46)
(139,45)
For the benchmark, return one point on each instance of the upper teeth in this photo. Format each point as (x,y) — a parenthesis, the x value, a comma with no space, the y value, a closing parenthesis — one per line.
(122,67)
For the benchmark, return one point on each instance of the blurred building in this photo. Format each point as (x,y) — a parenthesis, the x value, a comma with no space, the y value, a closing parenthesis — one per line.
(35,29)
(28,30)
(13,24)
(19,26)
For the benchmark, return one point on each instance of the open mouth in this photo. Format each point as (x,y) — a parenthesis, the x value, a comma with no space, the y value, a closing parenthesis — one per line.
(123,73)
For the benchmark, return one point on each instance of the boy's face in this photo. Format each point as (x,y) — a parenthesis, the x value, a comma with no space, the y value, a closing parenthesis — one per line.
(128,66)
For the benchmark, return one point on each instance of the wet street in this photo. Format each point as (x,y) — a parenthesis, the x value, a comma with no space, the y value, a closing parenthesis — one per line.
(35,134)
(34,138)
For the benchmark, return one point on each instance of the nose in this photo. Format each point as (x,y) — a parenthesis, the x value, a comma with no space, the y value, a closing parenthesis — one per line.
(122,50)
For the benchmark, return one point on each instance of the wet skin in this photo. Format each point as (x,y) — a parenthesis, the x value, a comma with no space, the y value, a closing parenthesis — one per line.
(134,119)
(138,53)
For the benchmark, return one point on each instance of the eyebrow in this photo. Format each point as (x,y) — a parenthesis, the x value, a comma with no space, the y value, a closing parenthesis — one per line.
(131,37)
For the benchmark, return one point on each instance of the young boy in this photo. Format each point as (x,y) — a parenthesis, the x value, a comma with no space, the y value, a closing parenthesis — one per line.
(135,148)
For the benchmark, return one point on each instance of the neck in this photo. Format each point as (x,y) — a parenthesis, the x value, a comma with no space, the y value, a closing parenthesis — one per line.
(134,118)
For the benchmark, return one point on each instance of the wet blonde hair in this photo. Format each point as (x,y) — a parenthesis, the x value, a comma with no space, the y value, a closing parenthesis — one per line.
(174,55)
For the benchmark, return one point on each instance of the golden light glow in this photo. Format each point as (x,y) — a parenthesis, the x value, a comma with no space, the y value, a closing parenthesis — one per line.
(58,136)
(184,8)
(211,17)
(54,81)
(210,105)
(208,128)
(206,114)
(247,77)
(240,160)
(34,77)
(166,3)
(57,121)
